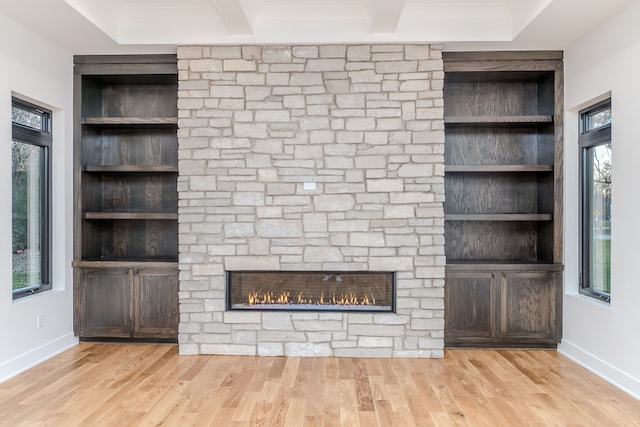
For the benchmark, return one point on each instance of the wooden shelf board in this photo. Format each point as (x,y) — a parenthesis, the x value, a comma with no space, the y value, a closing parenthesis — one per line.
(498,120)
(502,265)
(498,168)
(130,215)
(157,263)
(132,168)
(475,76)
(130,121)
(498,217)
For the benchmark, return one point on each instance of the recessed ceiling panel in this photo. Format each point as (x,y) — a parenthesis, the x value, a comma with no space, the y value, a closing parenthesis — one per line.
(191,25)
(300,21)
(456,20)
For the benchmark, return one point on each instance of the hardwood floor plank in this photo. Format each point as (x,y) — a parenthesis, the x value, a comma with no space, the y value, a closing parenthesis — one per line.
(313,421)
(374,367)
(288,378)
(367,418)
(262,369)
(331,408)
(426,393)
(348,401)
(332,368)
(205,400)
(376,383)
(419,410)
(200,399)
(346,369)
(271,391)
(317,390)
(238,386)
(396,397)
(260,414)
(144,385)
(222,417)
(388,373)
(384,413)
(363,389)
(301,388)
(167,410)
(279,410)
(294,415)
(277,367)
(248,402)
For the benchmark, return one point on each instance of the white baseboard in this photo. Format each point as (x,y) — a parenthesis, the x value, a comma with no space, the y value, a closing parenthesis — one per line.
(606,371)
(21,363)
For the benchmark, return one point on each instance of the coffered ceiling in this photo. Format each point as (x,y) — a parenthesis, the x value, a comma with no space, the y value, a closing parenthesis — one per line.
(224,21)
(84,26)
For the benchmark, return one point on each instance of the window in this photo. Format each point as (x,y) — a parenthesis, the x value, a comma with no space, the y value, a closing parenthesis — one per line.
(595,170)
(31,186)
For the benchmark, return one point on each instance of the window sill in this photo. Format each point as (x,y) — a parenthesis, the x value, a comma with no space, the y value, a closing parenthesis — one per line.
(38,295)
(588,299)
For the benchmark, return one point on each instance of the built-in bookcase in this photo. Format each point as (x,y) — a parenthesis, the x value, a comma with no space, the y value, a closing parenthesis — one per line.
(503,191)
(126,215)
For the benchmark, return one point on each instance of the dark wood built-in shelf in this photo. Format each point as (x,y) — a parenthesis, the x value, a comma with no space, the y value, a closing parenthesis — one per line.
(498,168)
(132,168)
(115,121)
(126,200)
(130,215)
(503,198)
(498,120)
(498,217)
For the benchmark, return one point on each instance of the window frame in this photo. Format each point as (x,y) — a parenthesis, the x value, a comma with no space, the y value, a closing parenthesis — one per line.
(589,137)
(42,138)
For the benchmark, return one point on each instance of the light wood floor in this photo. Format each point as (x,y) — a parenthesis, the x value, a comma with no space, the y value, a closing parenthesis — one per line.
(120,385)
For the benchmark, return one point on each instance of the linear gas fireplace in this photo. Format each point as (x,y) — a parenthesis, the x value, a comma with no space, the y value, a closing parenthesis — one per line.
(315,290)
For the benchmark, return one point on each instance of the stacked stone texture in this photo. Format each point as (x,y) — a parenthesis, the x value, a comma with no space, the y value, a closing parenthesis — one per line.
(364,123)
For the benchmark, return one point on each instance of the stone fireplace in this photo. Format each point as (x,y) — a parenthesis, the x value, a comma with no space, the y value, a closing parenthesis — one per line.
(311,159)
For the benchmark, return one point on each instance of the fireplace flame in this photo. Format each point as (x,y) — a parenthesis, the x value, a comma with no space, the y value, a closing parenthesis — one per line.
(257,298)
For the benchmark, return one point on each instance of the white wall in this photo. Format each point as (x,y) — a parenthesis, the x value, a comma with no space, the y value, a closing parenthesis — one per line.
(39,71)
(606,337)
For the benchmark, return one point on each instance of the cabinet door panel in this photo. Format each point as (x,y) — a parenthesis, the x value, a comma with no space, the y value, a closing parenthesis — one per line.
(156,303)
(528,305)
(105,310)
(470,305)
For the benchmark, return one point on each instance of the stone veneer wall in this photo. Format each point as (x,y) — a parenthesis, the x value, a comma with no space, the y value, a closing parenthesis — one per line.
(362,122)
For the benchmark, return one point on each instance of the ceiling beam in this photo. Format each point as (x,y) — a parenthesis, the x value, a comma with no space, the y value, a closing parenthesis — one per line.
(234,16)
(385,15)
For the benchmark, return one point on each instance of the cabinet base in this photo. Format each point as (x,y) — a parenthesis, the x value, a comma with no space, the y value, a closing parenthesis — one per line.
(500,345)
(171,340)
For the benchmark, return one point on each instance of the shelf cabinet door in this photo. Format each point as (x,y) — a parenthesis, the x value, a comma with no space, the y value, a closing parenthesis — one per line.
(156,303)
(528,306)
(104,303)
(470,306)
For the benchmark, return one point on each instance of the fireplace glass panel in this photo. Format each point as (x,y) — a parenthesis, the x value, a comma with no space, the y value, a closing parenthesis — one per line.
(304,290)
